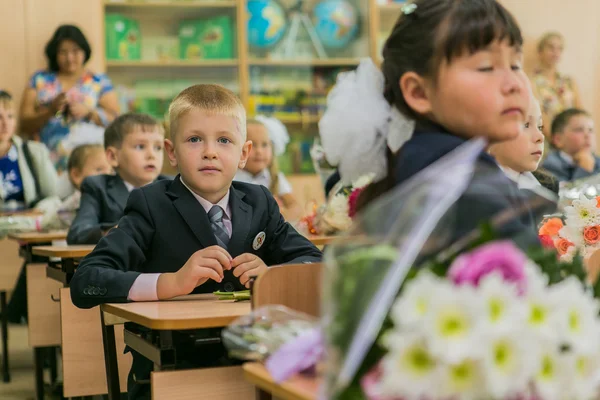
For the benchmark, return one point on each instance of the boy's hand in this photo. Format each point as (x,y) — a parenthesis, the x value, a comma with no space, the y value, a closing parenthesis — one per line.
(247,265)
(585,159)
(203,265)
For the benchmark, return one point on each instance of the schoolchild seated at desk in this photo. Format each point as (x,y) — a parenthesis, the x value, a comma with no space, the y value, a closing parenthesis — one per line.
(134,148)
(197,233)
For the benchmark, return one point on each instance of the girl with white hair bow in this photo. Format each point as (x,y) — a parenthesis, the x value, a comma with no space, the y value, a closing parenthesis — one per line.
(269,138)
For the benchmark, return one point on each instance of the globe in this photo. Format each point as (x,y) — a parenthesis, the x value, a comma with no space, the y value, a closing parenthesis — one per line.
(336,23)
(266,25)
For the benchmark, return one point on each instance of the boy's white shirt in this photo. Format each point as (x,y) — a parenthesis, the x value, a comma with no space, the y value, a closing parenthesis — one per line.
(524,180)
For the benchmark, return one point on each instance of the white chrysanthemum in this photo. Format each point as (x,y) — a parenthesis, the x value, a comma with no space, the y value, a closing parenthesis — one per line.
(336,213)
(408,369)
(500,306)
(536,280)
(551,374)
(451,324)
(583,380)
(582,212)
(462,380)
(541,309)
(413,304)
(363,181)
(576,318)
(509,362)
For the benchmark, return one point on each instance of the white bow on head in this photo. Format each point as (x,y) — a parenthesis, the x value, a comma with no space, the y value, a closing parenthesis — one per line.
(360,123)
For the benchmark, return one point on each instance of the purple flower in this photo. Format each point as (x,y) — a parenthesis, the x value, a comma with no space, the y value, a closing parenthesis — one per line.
(503,257)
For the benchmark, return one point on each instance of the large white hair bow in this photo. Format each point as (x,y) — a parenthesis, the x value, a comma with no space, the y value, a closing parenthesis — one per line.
(278,133)
(360,123)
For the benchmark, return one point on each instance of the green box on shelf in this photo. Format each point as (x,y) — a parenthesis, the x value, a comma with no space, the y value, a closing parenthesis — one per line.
(123,39)
(206,39)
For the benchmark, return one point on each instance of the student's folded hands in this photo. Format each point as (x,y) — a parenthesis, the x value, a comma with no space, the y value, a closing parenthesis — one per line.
(246,266)
(205,264)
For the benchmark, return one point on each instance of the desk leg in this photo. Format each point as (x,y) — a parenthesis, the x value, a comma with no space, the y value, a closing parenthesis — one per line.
(110,360)
(38,355)
(262,395)
(53,360)
(4,312)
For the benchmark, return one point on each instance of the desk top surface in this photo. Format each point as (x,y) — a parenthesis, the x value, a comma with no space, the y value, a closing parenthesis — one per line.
(38,237)
(186,312)
(77,251)
(322,240)
(298,387)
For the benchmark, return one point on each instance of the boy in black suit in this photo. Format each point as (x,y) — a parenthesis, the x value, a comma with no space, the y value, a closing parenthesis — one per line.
(198,233)
(134,148)
(574,137)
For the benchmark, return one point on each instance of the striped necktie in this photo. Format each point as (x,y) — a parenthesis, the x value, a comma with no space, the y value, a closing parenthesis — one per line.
(215,215)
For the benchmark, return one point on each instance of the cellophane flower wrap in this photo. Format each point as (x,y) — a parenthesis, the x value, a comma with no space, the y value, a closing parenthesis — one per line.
(570,191)
(433,290)
(48,215)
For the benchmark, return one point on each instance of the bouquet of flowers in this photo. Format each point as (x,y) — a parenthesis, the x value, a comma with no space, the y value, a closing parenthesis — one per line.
(436,299)
(48,215)
(580,230)
(570,191)
(336,214)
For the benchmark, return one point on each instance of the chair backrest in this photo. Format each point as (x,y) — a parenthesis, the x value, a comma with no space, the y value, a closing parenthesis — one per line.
(297,286)
(84,371)
(222,383)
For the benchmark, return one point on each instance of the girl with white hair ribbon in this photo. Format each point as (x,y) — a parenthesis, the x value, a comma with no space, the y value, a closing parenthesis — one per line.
(269,139)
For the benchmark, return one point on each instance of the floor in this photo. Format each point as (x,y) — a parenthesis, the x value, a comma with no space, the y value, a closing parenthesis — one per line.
(21,366)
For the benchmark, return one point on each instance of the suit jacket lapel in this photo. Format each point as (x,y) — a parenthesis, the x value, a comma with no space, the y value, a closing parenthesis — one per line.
(192,212)
(241,220)
(117,191)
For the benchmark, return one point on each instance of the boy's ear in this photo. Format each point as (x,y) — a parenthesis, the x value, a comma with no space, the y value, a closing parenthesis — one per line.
(417,92)
(246,149)
(557,140)
(170,149)
(112,155)
(75,177)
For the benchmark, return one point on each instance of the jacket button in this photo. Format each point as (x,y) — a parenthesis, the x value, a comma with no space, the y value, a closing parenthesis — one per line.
(86,291)
(229,287)
(102,291)
(96,291)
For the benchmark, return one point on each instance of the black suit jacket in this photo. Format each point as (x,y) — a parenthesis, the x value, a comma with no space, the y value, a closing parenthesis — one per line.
(103,200)
(164,224)
(489,194)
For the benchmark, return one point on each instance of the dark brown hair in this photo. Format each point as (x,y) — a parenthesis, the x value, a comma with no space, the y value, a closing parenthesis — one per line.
(560,122)
(124,124)
(436,31)
(66,32)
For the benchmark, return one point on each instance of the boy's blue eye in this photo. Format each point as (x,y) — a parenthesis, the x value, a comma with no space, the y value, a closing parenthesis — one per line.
(194,139)
(224,140)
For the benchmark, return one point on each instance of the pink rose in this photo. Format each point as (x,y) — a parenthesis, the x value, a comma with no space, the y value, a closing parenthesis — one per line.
(503,257)
(352,200)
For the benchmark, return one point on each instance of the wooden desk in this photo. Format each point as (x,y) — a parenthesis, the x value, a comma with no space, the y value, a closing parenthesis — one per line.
(38,237)
(76,251)
(188,312)
(67,264)
(322,240)
(298,387)
(40,304)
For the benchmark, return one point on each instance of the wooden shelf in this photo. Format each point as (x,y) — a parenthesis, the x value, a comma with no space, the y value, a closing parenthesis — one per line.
(330,62)
(173,4)
(171,63)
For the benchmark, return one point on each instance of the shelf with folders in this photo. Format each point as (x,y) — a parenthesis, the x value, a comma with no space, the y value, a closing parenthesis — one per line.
(281,56)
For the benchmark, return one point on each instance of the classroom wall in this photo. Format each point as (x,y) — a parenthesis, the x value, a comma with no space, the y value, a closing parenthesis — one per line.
(27,25)
(577,20)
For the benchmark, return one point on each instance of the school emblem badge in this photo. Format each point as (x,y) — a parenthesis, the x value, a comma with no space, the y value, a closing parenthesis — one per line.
(259,240)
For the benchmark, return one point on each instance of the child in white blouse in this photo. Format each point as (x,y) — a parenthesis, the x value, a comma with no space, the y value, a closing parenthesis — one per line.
(269,138)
